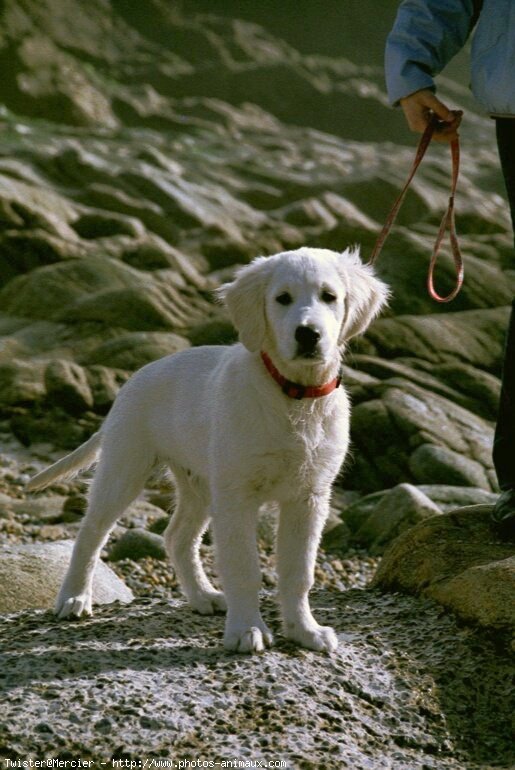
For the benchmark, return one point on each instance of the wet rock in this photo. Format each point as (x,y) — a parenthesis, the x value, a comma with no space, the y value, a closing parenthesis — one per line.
(458,560)
(31,575)
(136,544)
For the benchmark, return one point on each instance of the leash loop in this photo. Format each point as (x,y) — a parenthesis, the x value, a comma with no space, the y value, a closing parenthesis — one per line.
(447,223)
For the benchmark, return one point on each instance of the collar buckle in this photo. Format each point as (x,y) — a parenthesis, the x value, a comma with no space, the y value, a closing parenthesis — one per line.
(294,390)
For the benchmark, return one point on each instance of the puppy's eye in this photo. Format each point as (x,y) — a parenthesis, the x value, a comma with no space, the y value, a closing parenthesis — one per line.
(328,296)
(284,298)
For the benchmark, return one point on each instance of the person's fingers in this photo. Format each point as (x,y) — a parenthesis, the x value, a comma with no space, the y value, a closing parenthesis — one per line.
(447,132)
(431,102)
(416,114)
(421,106)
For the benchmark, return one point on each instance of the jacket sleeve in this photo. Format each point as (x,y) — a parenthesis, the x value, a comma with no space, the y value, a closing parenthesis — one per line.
(424,38)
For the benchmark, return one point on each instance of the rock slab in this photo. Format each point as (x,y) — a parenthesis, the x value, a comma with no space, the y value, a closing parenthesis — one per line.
(151,680)
(31,575)
(458,560)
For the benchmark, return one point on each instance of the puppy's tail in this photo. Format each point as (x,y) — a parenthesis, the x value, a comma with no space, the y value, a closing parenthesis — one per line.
(67,466)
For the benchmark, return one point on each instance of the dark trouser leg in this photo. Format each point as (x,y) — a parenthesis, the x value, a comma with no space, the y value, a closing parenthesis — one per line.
(503,513)
(504,441)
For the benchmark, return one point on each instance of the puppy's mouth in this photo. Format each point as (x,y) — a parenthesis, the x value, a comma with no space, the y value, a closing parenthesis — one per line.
(309,355)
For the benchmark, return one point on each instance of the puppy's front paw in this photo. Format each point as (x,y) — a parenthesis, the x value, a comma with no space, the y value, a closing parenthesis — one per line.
(315,637)
(76,606)
(248,639)
(208,602)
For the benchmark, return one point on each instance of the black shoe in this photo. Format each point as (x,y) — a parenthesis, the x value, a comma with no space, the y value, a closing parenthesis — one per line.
(503,514)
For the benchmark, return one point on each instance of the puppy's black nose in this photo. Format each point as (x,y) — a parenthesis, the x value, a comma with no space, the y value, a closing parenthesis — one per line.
(307,337)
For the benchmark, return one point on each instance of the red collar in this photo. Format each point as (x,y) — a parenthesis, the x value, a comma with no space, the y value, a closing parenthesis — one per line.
(293,389)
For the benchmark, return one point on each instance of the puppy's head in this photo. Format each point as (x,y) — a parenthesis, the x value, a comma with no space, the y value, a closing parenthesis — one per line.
(303,305)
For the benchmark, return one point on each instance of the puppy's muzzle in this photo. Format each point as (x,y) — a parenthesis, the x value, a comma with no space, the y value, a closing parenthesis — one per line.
(307,339)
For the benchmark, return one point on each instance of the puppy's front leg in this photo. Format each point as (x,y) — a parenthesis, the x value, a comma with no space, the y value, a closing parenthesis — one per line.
(234,522)
(300,527)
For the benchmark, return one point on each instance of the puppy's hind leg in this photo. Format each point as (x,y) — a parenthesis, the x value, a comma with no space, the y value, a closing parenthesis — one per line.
(183,537)
(118,480)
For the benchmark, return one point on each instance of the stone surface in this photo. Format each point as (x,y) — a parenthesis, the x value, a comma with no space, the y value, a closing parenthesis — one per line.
(134,350)
(21,382)
(67,386)
(399,509)
(439,465)
(407,686)
(31,575)
(447,497)
(136,544)
(458,560)
(143,157)
(397,419)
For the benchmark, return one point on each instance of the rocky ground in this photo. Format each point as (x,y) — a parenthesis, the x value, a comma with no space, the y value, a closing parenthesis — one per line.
(144,154)
(408,688)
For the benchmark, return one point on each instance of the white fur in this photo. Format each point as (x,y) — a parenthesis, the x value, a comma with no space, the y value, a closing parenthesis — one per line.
(233,441)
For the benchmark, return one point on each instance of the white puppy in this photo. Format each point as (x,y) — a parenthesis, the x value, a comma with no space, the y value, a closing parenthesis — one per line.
(238,426)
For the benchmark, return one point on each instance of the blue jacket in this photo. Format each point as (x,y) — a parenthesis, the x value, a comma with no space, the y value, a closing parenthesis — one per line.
(428,33)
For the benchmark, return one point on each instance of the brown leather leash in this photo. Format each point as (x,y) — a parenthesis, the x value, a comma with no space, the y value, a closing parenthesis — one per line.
(447,222)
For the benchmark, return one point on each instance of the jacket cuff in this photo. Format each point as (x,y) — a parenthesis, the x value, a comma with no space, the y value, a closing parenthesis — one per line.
(410,79)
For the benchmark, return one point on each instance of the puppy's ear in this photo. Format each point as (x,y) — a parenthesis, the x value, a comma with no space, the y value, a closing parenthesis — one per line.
(245,300)
(366,295)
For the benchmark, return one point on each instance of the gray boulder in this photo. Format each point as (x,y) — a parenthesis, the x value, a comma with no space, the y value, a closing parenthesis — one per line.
(397,510)
(136,544)
(439,465)
(31,575)
(448,497)
(399,417)
(474,337)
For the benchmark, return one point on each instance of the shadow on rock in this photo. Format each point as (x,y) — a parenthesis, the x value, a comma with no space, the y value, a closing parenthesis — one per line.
(407,682)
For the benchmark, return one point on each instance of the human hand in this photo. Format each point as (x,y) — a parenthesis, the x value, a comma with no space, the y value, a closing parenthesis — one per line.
(419,108)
